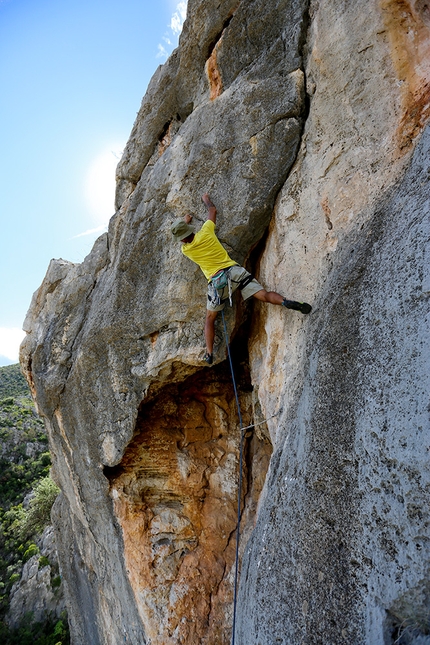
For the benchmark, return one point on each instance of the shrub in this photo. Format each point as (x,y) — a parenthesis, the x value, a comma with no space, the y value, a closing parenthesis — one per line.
(39,511)
(45,458)
(32,550)
(56,582)
(50,632)
(12,521)
(8,401)
(43,561)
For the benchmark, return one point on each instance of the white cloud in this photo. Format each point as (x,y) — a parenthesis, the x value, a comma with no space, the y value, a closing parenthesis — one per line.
(178,18)
(10,340)
(176,24)
(162,51)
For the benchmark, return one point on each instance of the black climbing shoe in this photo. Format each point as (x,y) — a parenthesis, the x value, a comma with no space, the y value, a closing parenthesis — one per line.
(209,358)
(303,307)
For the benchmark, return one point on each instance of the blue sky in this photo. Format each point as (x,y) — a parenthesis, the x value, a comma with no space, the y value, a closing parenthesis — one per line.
(72,77)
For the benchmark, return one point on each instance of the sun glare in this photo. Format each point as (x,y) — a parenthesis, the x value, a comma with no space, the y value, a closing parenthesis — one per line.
(100,185)
(10,340)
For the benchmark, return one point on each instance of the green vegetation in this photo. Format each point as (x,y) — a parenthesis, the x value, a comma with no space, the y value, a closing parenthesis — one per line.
(32,550)
(24,456)
(43,562)
(12,382)
(56,582)
(51,632)
(26,496)
(39,511)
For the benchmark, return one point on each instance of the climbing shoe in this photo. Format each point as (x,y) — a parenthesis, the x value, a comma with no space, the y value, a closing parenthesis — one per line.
(303,307)
(209,358)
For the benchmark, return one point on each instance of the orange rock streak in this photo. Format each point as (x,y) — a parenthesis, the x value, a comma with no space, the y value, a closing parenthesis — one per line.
(408,26)
(214,75)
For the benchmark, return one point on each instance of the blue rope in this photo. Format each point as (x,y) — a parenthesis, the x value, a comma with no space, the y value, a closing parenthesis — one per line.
(239,495)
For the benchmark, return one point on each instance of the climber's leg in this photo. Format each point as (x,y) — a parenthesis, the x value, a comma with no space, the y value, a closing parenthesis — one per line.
(269,296)
(210,334)
(276,299)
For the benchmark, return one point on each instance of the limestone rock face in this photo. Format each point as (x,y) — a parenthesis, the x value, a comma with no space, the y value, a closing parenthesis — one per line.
(306,123)
(35,591)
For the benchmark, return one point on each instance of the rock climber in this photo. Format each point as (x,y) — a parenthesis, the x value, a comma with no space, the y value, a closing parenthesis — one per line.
(223,274)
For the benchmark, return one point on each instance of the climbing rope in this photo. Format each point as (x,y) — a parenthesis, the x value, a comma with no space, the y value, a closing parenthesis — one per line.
(239,494)
(255,425)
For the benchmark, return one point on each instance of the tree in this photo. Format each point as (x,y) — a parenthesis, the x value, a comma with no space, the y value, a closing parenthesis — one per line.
(39,511)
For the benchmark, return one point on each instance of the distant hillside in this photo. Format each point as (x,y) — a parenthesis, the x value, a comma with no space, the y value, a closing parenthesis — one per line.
(26,496)
(12,382)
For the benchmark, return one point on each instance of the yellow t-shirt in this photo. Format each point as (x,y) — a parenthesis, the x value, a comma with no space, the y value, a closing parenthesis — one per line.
(207,251)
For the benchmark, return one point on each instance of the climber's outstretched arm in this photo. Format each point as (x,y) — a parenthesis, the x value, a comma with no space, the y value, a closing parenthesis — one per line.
(211,208)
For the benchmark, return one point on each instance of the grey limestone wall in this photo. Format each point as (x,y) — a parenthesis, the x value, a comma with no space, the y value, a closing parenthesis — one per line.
(341,550)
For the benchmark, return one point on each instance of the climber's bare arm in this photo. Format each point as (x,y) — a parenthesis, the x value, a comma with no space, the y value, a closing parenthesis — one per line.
(211,208)
(187,218)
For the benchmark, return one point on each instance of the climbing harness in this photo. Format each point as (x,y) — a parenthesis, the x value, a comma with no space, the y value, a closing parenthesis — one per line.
(246,280)
(220,281)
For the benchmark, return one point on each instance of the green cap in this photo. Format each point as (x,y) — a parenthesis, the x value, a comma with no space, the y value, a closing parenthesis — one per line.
(181,230)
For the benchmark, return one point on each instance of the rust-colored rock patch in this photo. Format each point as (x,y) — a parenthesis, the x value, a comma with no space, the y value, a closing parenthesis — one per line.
(408,26)
(214,75)
(175,497)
